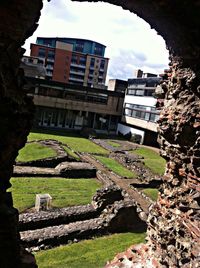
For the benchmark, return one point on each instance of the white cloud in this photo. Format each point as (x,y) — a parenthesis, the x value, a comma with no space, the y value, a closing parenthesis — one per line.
(130,41)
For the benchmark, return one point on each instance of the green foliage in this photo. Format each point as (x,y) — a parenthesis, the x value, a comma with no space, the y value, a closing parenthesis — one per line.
(113,144)
(151,192)
(152,160)
(116,167)
(35,151)
(89,253)
(65,192)
(75,142)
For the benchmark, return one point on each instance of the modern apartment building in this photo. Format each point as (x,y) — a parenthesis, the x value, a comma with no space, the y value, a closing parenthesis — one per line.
(72,60)
(139,111)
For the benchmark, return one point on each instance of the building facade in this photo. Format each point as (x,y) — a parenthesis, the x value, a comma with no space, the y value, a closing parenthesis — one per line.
(117,85)
(33,67)
(139,111)
(68,106)
(72,60)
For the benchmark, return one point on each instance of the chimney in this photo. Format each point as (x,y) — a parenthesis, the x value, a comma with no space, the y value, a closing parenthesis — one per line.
(139,73)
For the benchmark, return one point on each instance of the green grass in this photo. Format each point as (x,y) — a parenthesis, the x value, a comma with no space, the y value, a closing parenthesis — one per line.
(115,167)
(152,160)
(113,144)
(151,192)
(71,153)
(76,143)
(65,192)
(35,151)
(89,253)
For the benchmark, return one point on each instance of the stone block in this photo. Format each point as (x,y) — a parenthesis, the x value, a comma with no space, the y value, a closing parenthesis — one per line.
(43,202)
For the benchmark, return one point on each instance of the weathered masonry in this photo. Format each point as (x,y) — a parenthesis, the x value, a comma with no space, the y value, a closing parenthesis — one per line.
(173,231)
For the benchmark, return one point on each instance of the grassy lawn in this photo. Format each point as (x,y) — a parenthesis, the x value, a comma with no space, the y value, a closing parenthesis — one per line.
(35,151)
(89,253)
(152,160)
(76,143)
(113,144)
(71,153)
(65,192)
(115,167)
(151,192)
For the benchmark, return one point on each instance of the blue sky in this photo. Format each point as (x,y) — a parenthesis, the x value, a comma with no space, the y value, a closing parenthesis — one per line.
(130,42)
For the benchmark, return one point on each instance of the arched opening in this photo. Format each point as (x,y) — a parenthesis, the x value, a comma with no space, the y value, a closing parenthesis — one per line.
(178,205)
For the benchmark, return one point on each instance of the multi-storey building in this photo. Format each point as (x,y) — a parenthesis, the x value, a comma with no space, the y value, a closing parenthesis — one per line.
(72,60)
(68,106)
(139,113)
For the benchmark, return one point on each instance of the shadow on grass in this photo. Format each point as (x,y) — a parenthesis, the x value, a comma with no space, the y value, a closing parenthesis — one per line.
(55,131)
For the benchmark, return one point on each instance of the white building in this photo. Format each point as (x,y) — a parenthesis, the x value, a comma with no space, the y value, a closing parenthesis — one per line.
(139,112)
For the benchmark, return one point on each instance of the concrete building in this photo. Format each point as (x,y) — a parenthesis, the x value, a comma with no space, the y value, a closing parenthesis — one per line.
(72,60)
(33,67)
(68,106)
(139,111)
(117,85)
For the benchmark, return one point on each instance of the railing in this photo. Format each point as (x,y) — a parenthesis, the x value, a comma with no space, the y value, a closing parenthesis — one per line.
(151,116)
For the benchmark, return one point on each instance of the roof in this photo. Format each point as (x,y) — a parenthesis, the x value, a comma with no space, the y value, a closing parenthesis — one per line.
(71,38)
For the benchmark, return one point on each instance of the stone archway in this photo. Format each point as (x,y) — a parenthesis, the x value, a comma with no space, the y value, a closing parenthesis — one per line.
(174,228)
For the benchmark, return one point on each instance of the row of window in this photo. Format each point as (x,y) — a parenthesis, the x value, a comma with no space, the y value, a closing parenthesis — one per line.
(140,92)
(70,94)
(102,63)
(143,112)
(75,59)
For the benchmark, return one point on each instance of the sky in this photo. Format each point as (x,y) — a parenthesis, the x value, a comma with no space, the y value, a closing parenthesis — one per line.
(130,42)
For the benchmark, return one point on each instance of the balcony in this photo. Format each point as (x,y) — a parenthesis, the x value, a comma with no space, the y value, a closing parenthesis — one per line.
(77,65)
(50,60)
(49,67)
(76,79)
(77,72)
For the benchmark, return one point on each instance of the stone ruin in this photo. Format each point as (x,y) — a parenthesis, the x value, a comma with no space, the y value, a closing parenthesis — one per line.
(61,165)
(173,228)
(111,211)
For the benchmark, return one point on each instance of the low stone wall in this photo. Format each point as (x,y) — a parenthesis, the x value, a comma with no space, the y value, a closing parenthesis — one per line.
(150,184)
(102,198)
(50,162)
(118,217)
(20,171)
(65,170)
(111,211)
(135,164)
(76,170)
(58,216)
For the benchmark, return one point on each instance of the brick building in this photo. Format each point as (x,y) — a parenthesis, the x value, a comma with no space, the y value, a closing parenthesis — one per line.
(72,60)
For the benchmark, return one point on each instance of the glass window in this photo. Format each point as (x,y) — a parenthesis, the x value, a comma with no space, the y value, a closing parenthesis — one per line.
(74,59)
(42,52)
(102,65)
(82,60)
(79,46)
(98,50)
(51,54)
(92,61)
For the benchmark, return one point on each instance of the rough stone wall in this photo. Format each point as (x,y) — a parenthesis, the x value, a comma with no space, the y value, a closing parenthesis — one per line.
(18,22)
(173,223)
